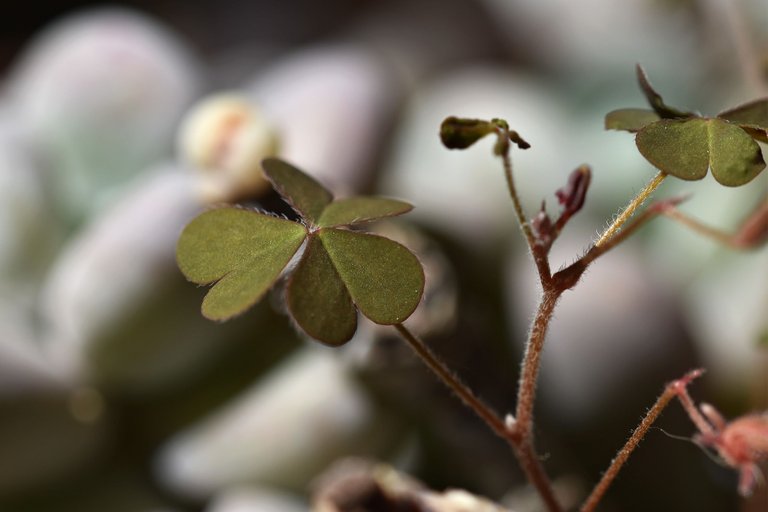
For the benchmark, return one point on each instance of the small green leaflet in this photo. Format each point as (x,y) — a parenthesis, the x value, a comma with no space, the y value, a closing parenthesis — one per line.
(752,117)
(240,250)
(685,145)
(243,253)
(655,100)
(630,119)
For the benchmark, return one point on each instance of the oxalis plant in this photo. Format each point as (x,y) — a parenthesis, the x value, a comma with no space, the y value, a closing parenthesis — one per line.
(333,269)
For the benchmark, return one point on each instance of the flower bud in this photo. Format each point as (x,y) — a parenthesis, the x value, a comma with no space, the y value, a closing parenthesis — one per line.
(458,133)
(572,196)
(225,138)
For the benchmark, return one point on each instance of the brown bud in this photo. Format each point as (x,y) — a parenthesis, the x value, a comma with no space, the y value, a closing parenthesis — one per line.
(457,133)
(573,194)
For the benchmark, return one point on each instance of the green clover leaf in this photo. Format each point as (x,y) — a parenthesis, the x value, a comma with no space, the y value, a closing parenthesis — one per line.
(687,148)
(685,145)
(244,252)
(752,117)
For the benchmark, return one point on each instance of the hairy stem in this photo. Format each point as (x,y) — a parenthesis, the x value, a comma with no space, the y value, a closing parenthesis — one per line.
(450,379)
(526,392)
(618,462)
(524,451)
(521,218)
(752,233)
(631,208)
(656,209)
(717,235)
(534,472)
(542,263)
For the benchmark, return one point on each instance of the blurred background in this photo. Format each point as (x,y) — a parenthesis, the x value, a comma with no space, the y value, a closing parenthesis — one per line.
(115,393)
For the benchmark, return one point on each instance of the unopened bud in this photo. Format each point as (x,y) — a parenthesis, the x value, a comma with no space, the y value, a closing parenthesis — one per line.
(517,139)
(458,133)
(225,138)
(572,196)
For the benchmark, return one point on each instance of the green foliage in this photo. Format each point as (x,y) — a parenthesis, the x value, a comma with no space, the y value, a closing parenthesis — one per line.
(686,148)
(656,102)
(630,119)
(752,117)
(244,252)
(684,144)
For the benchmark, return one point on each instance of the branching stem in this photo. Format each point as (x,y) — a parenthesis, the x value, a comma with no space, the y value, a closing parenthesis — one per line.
(523,448)
(518,430)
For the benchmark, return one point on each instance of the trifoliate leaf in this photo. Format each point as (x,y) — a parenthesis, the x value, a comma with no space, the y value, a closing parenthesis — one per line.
(384,278)
(630,119)
(305,195)
(655,100)
(243,250)
(752,117)
(357,210)
(318,299)
(686,148)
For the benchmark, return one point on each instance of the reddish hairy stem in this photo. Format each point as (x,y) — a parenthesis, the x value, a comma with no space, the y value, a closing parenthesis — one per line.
(672,390)
(752,233)
(526,392)
(524,450)
(450,379)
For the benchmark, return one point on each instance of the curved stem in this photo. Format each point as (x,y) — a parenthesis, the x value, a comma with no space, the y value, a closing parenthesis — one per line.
(631,208)
(521,218)
(452,381)
(717,235)
(523,449)
(526,392)
(542,264)
(752,233)
(639,433)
